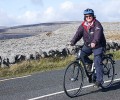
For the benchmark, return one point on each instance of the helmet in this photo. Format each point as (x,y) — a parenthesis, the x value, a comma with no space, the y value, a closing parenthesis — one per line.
(88,11)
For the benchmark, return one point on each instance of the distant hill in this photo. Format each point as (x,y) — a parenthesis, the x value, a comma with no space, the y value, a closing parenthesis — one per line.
(21,31)
(36,28)
(2,27)
(44,24)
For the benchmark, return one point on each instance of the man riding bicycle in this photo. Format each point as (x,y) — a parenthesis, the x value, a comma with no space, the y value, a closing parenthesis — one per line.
(94,42)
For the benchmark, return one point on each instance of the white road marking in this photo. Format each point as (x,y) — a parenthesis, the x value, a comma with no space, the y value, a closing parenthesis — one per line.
(14,78)
(52,94)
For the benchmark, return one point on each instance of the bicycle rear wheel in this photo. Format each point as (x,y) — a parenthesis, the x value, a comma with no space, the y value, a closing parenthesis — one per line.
(108,72)
(73,79)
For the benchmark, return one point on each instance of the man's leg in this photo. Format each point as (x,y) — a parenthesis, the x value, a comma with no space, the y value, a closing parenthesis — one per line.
(85,52)
(98,66)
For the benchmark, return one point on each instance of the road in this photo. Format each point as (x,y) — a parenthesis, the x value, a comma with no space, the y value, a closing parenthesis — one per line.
(49,86)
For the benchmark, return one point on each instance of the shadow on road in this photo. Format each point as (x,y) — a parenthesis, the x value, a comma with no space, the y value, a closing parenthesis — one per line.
(114,86)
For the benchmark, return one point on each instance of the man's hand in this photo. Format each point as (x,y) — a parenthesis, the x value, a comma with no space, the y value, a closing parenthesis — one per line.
(70,44)
(92,45)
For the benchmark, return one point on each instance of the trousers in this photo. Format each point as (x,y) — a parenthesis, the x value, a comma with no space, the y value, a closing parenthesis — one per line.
(97,52)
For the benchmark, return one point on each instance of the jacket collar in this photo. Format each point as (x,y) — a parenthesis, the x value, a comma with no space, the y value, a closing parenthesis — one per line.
(87,26)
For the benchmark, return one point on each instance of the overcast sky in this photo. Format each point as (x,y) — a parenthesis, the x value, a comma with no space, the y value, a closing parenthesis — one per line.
(19,12)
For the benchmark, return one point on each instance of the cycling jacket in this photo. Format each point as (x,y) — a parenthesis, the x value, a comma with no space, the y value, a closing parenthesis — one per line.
(92,35)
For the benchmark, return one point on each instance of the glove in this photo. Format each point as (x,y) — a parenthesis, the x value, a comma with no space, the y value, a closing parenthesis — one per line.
(71,44)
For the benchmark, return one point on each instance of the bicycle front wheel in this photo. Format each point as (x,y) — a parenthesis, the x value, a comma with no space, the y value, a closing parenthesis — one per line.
(108,72)
(73,79)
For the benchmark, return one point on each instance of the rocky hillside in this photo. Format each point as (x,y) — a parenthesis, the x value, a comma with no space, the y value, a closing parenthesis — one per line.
(47,37)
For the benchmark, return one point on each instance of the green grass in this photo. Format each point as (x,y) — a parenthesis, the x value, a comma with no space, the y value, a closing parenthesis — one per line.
(116,55)
(29,67)
(46,64)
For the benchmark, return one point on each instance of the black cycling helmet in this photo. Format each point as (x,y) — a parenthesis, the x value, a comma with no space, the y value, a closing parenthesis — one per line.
(89,11)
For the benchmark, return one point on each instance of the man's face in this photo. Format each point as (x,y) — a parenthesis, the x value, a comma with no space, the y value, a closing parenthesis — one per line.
(89,18)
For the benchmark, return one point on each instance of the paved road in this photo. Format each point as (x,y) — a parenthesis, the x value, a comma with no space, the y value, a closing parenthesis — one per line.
(49,86)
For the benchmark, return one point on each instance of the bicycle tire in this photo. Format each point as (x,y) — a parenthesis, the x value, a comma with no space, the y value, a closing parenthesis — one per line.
(73,79)
(108,72)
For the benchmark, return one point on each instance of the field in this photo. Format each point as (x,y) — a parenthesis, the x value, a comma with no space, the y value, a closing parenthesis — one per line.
(45,37)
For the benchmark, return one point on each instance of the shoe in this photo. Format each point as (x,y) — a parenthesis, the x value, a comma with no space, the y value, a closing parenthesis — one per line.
(97,84)
(88,67)
(92,78)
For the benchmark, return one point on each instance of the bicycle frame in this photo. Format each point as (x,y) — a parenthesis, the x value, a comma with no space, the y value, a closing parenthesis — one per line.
(88,74)
(76,70)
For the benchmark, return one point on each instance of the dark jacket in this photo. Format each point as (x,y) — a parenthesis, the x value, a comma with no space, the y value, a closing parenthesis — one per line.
(93,35)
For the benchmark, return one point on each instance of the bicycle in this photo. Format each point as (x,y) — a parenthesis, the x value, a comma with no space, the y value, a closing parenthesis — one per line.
(76,71)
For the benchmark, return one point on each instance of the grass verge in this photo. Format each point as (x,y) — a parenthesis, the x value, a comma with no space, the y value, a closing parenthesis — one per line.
(46,64)
(29,67)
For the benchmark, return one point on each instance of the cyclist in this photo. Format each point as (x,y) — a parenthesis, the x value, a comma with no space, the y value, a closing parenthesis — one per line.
(94,42)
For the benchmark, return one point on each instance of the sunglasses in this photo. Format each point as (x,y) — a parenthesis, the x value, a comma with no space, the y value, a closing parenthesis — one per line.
(88,16)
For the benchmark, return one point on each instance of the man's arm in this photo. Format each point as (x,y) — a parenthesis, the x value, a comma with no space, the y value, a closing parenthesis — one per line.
(77,36)
(97,35)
